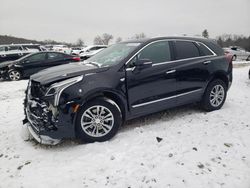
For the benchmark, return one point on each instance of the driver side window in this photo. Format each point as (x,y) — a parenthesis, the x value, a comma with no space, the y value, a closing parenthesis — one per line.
(156,52)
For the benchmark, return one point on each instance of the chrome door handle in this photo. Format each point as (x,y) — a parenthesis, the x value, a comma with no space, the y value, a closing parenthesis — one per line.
(206,62)
(171,71)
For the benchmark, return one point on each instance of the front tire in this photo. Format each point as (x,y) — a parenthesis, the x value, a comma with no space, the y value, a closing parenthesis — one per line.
(98,120)
(15,75)
(214,96)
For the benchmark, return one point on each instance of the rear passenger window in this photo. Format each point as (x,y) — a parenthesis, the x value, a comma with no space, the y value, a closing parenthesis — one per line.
(204,50)
(186,49)
(55,55)
(157,52)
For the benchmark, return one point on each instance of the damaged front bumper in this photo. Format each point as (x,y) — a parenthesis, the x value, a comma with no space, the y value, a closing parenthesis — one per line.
(47,124)
(42,139)
(3,73)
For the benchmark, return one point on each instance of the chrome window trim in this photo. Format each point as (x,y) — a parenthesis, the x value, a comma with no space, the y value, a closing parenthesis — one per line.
(167,62)
(198,43)
(166,98)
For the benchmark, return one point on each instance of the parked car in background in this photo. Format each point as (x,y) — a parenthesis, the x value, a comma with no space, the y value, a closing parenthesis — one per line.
(48,47)
(91,50)
(91,100)
(237,53)
(15,51)
(32,63)
(76,50)
(62,48)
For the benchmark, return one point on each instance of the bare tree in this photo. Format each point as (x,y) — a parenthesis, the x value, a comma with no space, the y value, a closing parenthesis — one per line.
(79,42)
(104,39)
(118,39)
(107,38)
(205,34)
(98,40)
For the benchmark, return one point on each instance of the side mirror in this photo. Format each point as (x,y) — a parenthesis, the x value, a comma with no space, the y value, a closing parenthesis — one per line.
(143,63)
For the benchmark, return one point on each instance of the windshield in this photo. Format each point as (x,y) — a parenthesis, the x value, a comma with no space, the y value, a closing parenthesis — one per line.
(24,57)
(113,55)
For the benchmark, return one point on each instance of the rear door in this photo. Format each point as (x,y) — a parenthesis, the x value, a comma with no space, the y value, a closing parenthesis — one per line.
(54,59)
(193,68)
(153,88)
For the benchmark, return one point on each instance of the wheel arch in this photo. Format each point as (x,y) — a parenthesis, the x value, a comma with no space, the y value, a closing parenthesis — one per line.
(112,95)
(16,69)
(219,75)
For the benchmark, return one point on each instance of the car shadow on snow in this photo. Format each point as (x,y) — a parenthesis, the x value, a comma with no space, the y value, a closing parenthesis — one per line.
(163,116)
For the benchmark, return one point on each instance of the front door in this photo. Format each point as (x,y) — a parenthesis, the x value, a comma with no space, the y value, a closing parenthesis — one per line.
(34,63)
(151,88)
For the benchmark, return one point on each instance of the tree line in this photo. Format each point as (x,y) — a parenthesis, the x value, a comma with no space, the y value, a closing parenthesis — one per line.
(224,40)
(106,38)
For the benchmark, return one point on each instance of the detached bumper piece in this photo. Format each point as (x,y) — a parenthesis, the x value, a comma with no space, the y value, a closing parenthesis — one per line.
(42,139)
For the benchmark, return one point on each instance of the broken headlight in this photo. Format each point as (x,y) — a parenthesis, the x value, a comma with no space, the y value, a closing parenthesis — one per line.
(57,88)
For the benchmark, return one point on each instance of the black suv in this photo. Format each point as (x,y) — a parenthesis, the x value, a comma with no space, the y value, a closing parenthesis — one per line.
(91,100)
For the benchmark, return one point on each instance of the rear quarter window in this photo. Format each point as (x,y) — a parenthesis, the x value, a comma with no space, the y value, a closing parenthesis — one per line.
(204,50)
(185,50)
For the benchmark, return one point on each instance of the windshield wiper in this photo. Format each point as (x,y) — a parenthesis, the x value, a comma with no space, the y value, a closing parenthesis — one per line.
(93,63)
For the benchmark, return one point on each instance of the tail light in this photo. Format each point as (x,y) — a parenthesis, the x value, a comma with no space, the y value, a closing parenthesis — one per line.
(76,58)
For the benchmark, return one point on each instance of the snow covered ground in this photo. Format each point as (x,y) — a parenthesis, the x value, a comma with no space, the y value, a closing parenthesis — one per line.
(197,149)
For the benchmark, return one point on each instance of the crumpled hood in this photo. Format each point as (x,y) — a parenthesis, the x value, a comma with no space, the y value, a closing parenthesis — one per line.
(7,63)
(63,72)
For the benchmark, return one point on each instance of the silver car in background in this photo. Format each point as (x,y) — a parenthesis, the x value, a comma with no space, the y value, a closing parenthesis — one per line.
(238,53)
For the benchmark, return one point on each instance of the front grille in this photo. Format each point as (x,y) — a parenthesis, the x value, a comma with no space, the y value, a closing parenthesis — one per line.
(39,115)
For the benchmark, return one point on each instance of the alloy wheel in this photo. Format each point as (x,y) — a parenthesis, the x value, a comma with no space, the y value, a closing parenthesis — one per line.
(217,95)
(14,75)
(97,121)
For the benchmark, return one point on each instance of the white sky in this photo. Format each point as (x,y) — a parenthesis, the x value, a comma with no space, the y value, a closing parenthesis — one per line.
(65,20)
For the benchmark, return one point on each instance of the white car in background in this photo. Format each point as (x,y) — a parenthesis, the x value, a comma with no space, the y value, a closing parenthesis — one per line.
(237,53)
(91,50)
(76,50)
(62,48)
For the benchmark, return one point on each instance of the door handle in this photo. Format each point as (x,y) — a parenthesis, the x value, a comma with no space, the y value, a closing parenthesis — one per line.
(206,62)
(171,71)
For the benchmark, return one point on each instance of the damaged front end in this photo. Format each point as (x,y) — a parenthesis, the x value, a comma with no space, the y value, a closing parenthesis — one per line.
(4,73)
(49,117)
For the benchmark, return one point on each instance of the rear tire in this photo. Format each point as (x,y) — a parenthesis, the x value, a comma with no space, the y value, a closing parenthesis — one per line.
(15,75)
(98,120)
(214,96)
